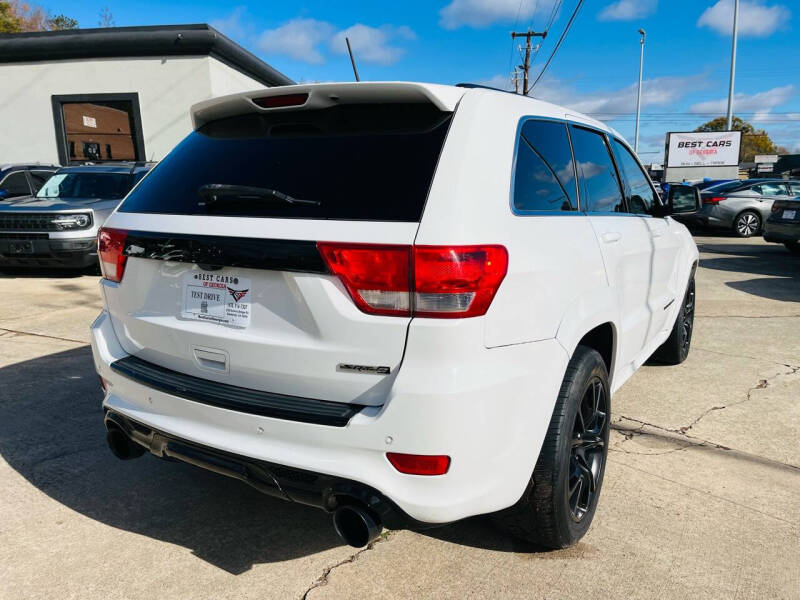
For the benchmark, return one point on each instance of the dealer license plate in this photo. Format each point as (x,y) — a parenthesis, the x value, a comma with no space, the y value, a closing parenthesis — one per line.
(789,214)
(222,298)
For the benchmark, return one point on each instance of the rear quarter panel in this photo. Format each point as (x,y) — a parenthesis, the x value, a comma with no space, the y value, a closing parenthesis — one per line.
(554,260)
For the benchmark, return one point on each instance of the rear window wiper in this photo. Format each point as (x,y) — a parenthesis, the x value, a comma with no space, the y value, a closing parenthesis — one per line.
(213,192)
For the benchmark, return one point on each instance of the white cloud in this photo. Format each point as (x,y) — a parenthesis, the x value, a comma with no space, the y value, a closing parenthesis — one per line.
(304,40)
(235,25)
(372,44)
(755,18)
(482,13)
(760,104)
(627,10)
(298,39)
(605,104)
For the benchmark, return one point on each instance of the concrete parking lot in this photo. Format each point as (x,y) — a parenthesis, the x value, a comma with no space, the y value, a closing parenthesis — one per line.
(700,498)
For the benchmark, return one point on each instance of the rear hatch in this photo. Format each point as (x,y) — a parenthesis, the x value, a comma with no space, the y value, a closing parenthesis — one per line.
(223,276)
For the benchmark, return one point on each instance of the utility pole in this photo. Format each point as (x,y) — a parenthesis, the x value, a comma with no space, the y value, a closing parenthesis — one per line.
(639,93)
(527,62)
(516,80)
(729,122)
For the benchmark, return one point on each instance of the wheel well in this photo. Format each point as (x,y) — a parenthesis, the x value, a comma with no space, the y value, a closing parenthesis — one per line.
(601,338)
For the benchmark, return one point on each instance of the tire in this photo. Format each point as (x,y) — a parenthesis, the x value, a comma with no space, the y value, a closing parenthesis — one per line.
(676,348)
(572,459)
(793,247)
(747,224)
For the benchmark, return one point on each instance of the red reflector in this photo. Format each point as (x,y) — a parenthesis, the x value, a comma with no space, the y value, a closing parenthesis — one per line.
(419,464)
(279,101)
(447,281)
(110,244)
(103,383)
(713,199)
(457,281)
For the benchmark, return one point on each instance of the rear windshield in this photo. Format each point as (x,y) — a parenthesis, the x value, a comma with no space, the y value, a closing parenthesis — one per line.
(111,186)
(355,162)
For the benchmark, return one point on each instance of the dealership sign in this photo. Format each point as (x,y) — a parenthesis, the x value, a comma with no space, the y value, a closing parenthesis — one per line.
(703,149)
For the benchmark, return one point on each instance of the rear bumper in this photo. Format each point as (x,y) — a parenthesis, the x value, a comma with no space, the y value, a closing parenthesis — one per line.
(781,232)
(39,251)
(295,485)
(487,409)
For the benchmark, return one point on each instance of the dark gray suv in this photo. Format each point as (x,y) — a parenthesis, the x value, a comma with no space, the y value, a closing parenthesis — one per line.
(742,206)
(58,226)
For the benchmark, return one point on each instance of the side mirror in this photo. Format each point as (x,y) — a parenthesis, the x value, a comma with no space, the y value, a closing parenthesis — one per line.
(683,199)
(4,193)
(680,200)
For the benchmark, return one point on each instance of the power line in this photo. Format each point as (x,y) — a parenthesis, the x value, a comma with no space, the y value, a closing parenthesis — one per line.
(558,43)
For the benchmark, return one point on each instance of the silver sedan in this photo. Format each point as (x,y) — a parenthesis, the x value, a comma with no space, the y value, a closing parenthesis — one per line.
(741,206)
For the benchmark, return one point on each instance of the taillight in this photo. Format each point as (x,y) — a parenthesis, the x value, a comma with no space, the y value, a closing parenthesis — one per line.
(110,244)
(457,281)
(281,101)
(423,281)
(419,464)
(778,206)
(713,199)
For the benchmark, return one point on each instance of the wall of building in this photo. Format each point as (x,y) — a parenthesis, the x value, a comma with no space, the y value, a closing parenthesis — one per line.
(167,87)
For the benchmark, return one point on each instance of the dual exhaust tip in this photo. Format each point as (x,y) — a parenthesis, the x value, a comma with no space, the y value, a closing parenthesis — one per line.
(356,525)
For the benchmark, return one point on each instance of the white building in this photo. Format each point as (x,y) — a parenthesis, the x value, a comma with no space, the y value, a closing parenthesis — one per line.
(120,93)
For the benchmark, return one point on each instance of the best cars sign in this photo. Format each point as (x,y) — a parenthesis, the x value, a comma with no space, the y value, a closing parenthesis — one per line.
(703,148)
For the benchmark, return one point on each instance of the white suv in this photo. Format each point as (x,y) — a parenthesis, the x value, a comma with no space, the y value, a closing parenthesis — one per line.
(403,303)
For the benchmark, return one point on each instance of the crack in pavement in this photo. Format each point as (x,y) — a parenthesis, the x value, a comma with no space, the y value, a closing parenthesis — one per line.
(322,580)
(759,358)
(4,331)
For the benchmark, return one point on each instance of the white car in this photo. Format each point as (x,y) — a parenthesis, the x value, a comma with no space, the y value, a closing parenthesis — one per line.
(405,304)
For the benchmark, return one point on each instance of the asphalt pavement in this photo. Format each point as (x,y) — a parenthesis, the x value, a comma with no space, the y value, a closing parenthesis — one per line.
(700,498)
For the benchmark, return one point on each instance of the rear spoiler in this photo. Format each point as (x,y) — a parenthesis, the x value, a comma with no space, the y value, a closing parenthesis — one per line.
(323,95)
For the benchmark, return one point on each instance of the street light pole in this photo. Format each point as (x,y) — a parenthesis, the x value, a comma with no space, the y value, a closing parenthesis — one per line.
(639,93)
(729,122)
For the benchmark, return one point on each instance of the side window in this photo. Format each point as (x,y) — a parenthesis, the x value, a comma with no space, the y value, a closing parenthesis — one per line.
(16,183)
(794,189)
(598,182)
(640,195)
(544,178)
(771,189)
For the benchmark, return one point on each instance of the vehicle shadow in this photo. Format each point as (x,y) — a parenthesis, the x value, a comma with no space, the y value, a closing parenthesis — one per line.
(27,273)
(779,271)
(51,433)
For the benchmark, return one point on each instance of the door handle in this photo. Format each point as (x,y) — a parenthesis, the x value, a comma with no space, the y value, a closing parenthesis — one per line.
(610,237)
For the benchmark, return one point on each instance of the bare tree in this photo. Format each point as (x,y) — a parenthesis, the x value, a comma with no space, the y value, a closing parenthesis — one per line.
(106,18)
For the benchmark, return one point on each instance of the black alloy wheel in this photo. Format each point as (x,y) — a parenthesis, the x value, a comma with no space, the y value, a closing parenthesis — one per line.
(587,455)
(687,325)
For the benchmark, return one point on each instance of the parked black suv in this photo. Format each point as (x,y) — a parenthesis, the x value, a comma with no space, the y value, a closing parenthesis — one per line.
(23,179)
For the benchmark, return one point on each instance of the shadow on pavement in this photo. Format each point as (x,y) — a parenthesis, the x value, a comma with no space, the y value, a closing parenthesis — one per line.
(780,270)
(51,432)
(33,273)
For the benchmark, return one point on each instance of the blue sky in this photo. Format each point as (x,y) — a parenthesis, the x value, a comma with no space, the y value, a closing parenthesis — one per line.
(687,54)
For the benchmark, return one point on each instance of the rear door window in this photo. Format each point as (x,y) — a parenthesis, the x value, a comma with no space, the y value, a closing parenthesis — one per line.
(597,177)
(794,188)
(351,162)
(38,178)
(771,189)
(544,177)
(640,195)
